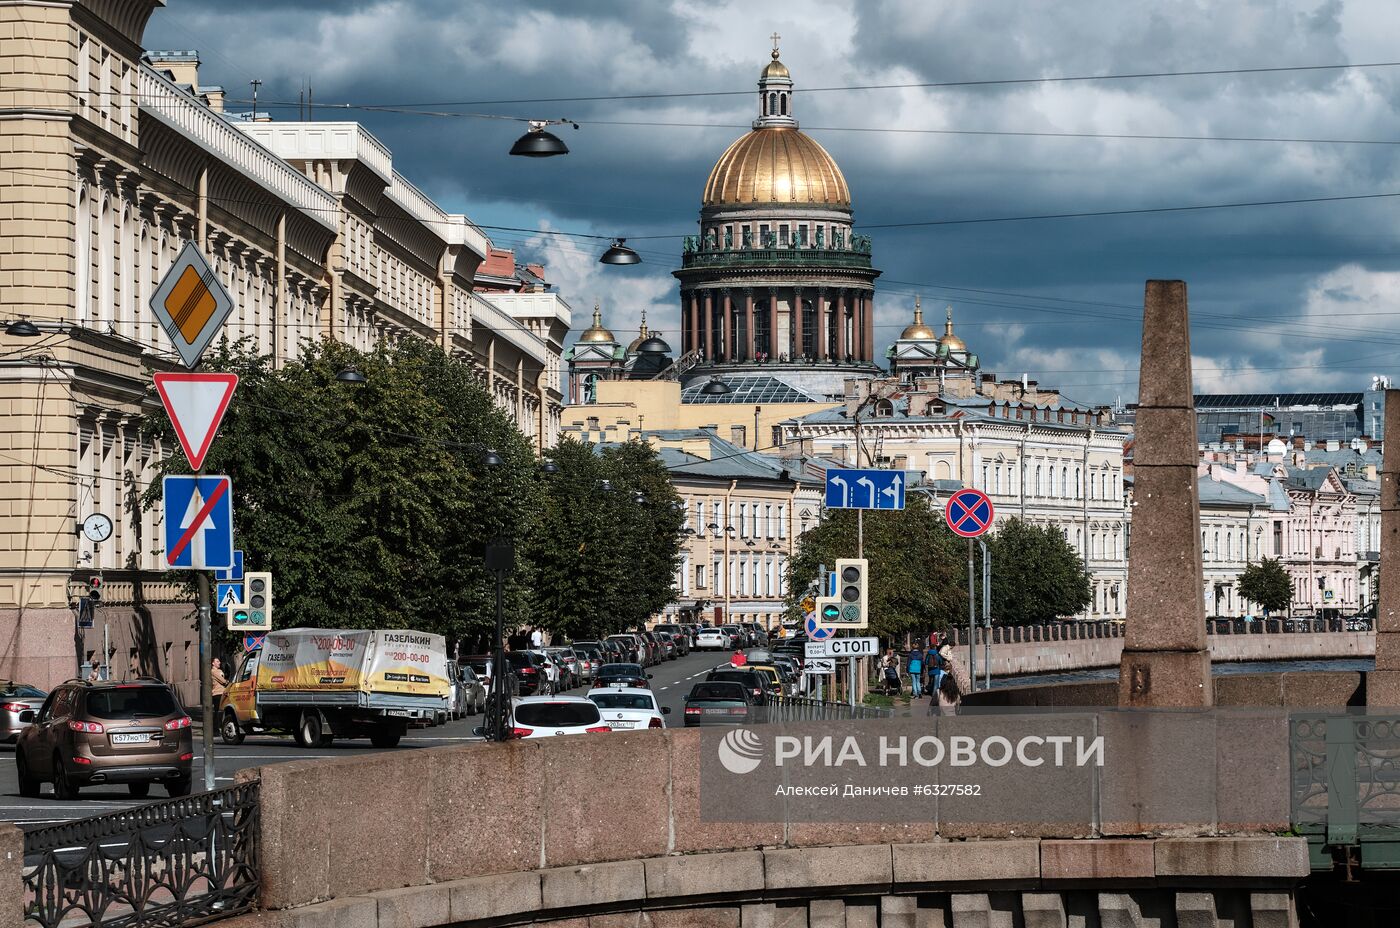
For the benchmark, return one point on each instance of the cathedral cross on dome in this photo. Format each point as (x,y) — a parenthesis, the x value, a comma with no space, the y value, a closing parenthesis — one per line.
(775,37)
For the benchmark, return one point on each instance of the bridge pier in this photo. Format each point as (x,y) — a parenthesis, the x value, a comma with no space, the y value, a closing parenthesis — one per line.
(1383,684)
(1166,662)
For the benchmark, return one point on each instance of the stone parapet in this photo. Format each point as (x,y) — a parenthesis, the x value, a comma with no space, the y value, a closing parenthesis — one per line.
(1208,881)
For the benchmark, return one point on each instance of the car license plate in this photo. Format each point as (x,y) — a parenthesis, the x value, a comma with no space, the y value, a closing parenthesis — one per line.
(400,713)
(716,712)
(616,725)
(134,737)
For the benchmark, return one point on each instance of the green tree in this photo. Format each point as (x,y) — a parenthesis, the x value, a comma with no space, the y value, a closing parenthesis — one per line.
(1267,584)
(915,579)
(1036,575)
(371,503)
(604,557)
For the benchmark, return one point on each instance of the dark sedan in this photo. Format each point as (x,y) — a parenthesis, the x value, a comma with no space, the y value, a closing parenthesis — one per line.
(719,702)
(623,675)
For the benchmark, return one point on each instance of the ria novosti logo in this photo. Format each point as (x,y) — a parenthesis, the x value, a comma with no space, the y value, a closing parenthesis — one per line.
(740,751)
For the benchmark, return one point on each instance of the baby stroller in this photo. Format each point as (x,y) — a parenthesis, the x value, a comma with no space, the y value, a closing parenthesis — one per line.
(892,684)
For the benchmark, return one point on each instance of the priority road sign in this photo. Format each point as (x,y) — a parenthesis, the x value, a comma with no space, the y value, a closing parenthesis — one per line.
(196,404)
(198,522)
(969,513)
(864,488)
(234,573)
(191,304)
(229,596)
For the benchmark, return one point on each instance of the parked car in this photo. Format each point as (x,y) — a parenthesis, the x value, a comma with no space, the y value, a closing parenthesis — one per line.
(655,652)
(613,652)
(567,661)
(757,684)
(711,639)
(736,636)
(589,660)
(669,648)
(630,647)
(472,690)
(679,636)
(717,702)
(531,671)
(758,637)
(624,675)
(779,687)
(625,707)
(133,732)
(15,700)
(547,716)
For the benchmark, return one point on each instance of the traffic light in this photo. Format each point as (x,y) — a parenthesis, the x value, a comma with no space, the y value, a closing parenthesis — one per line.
(258,592)
(95,589)
(852,592)
(238,619)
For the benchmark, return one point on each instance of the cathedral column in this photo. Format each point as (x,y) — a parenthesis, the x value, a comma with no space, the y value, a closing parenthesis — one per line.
(868,302)
(726,338)
(695,341)
(822,342)
(748,323)
(709,316)
(797,341)
(841,325)
(773,343)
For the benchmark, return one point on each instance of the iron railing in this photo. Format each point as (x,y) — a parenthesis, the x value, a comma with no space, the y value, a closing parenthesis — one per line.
(180,862)
(776,257)
(1345,785)
(806,709)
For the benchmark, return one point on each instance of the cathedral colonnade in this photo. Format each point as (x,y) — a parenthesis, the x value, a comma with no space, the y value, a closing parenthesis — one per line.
(746,324)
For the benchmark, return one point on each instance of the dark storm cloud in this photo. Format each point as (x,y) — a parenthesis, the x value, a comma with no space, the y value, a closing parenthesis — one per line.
(1300,270)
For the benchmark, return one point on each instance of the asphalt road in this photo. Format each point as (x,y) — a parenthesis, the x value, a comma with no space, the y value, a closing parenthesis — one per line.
(670,680)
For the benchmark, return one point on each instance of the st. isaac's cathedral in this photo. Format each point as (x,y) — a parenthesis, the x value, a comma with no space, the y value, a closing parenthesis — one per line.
(776,287)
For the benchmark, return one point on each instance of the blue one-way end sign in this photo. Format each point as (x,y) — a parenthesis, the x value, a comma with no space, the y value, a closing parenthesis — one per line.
(864,488)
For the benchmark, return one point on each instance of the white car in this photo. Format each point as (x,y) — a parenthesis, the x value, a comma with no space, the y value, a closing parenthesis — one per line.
(711,638)
(627,707)
(547,716)
(551,668)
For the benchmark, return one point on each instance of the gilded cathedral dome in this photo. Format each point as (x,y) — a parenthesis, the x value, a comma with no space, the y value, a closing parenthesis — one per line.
(777,165)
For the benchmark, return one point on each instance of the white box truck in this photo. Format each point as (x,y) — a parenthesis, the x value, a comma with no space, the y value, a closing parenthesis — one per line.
(320,684)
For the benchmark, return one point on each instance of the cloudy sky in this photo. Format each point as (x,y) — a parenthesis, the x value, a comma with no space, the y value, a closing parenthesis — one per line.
(1283,298)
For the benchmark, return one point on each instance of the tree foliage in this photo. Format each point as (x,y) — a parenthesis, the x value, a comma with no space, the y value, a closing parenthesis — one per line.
(372,503)
(608,542)
(1037,576)
(1267,584)
(914,566)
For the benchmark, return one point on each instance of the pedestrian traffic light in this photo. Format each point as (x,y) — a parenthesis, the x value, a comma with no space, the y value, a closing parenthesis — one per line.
(258,590)
(852,592)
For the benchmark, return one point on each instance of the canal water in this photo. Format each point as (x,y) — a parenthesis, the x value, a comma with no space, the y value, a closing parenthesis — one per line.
(1219,670)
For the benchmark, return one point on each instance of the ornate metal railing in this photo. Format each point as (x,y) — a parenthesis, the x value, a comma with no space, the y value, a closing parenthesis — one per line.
(1345,785)
(802,257)
(181,862)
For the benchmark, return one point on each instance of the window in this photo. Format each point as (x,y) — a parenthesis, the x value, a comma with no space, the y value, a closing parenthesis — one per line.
(782,102)
(700,576)
(743,525)
(772,104)
(783,235)
(1078,485)
(802,236)
(718,576)
(1039,486)
(984,476)
(782,521)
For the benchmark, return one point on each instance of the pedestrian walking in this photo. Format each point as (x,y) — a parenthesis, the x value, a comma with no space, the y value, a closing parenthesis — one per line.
(536,639)
(890,667)
(952,684)
(216,676)
(916,672)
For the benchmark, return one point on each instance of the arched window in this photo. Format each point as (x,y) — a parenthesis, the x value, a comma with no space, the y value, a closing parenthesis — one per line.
(784,104)
(1078,492)
(772,104)
(1039,482)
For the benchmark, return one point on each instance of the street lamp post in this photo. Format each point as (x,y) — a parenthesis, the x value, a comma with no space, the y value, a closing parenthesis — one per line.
(500,559)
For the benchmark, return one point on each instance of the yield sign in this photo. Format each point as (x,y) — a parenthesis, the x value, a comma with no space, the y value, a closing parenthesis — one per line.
(196,404)
(969,513)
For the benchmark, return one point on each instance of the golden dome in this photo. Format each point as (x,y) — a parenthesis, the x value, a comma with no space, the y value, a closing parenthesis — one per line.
(776,164)
(775,69)
(949,339)
(596,332)
(917,329)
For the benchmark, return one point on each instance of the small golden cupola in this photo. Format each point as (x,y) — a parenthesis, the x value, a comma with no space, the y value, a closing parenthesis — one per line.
(596,332)
(949,340)
(917,329)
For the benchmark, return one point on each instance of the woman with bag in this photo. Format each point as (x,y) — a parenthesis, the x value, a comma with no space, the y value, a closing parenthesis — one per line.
(951,686)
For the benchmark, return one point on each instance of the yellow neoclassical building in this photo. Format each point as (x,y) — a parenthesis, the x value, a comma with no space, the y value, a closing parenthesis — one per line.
(113,158)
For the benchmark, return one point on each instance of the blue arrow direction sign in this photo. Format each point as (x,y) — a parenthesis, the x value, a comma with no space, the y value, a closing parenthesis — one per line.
(228,596)
(198,522)
(864,488)
(234,573)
